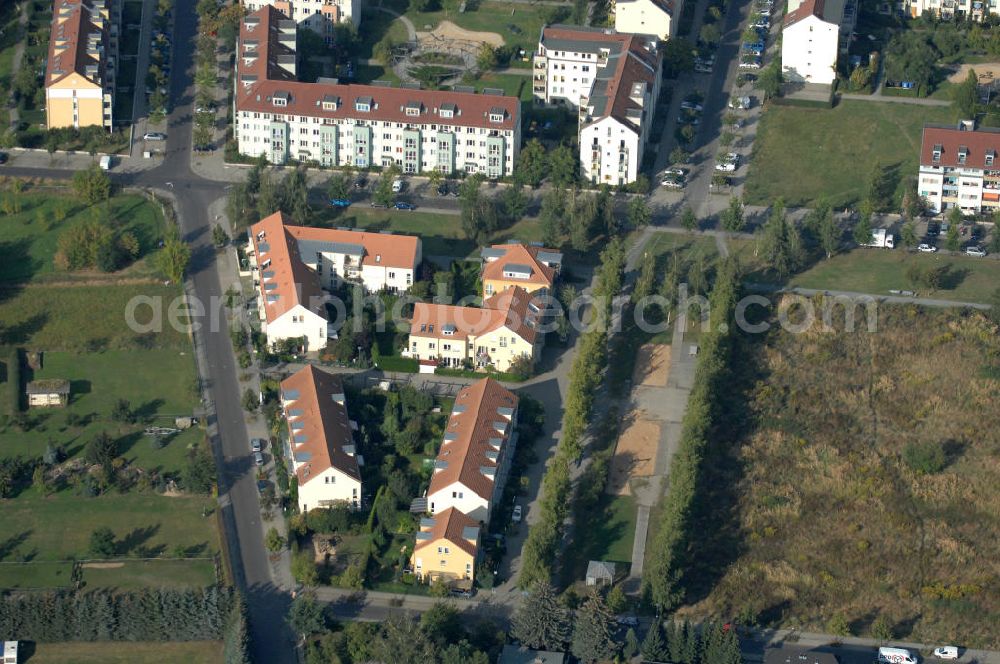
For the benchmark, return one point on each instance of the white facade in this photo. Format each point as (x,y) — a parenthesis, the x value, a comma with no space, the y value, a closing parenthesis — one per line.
(294,323)
(568,75)
(463,499)
(610,152)
(328,488)
(646,17)
(317,15)
(415,148)
(975,10)
(960,167)
(809,50)
(335,267)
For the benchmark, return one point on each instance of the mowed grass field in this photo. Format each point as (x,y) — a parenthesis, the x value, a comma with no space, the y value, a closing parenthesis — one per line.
(124,652)
(816,506)
(29,238)
(801,154)
(58,527)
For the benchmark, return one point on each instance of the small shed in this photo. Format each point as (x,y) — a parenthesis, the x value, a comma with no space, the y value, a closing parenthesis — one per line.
(10,652)
(600,572)
(48,392)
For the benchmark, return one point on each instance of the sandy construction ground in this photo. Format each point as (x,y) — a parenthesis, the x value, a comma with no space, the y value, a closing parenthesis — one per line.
(635,455)
(448,30)
(981,68)
(652,365)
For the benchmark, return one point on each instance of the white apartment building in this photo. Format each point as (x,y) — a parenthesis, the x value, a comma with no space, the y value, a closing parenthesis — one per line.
(332,124)
(293,265)
(474,460)
(613,80)
(814,34)
(321,440)
(974,10)
(318,15)
(648,17)
(960,167)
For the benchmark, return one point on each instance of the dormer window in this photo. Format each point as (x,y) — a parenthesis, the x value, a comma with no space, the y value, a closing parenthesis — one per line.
(963,154)
(413,109)
(447,111)
(496,115)
(448,330)
(936,155)
(989,158)
(278,101)
(363,104)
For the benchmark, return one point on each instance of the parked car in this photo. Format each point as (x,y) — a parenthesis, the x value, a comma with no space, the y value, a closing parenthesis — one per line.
(154,136)
(753,46)
(403,205)
(3,157)
(925,248)
(361,182)
(461,592)
(933,230)
(256,444)
(442,189)
(752,65)
(691,106)
(676,170)
(673,182)
(262,486)
(975,250)
(340,202)
(702,69)
(946,652)
(728,163)
(516,514)
(258,459)
(397,185)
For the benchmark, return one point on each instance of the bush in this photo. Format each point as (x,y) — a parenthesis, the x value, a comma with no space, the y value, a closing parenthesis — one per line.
(925,458)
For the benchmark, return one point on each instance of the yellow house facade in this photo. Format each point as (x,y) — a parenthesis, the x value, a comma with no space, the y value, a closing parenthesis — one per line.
(446,548)
(529,267)
(79,76)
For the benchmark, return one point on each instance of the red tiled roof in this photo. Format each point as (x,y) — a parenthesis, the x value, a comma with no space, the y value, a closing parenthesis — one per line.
(977,143)
(326,427)
(381,249)
(72,29)
(472,428)
(449,524)
(807,8)
(511,308)
(541,274)
(268,46)
(388,104)
(636,68)
(292,281)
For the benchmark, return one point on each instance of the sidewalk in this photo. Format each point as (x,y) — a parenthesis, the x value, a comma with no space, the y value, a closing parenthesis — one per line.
(77,161)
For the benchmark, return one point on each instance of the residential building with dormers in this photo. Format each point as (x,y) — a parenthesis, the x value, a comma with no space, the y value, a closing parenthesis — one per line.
(960,167)
(362,126)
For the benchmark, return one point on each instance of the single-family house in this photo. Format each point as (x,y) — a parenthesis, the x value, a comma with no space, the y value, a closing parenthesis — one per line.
(48,392)
(531,267)
(647,17)
(321,440)
(474,460)
(498,334)
(446,548)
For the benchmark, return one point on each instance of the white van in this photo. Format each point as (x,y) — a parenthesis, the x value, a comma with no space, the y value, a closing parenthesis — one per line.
(397,186)
(896,656)
(106,163)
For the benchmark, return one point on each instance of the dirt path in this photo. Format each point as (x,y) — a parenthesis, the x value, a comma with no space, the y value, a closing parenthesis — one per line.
(990,69)
(448,30)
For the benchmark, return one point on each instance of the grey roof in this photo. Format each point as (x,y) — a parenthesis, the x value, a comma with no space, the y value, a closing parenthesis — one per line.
(300,438)
(331,99)
(490,252)
(505,411)
(449,107)
(517,268)
(426,522)
(497,110)
(302,456)
(364,100)
(289,395)
(309,248)
(601,569)
(522,655)
(48,386)
(470,532)
(550,257)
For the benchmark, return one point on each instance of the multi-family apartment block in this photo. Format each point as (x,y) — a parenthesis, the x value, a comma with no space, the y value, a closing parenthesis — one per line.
(361,125)
(960,167)
(446,548)
(613,80)
(531,267)
(318,15)
(648,17)
(474,459)
(814,34)
(496,335)
(974,10)
(80,74)
(321,440)
(293,265)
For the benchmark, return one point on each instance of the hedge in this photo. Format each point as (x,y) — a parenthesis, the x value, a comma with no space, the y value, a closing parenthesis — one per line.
(11,357)
(542,544)
(675,527)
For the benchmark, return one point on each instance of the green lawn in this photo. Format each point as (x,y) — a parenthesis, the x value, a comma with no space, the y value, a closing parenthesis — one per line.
(490,16)
(163,389)
(512,84)
(367,73)
(123,652)
(801,154)
(91,317)
(166,573)
(33,233)
(663,244)
(608,535)
(42,574)
(878,271)
(58,527)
